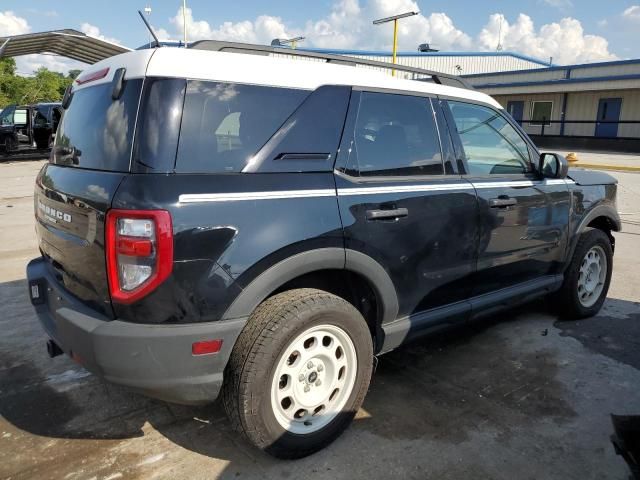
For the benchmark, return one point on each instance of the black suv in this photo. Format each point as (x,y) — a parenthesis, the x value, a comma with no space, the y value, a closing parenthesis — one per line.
(29,126)
(259,227)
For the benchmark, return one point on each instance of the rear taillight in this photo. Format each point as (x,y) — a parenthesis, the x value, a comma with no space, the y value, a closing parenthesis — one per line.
(139,249)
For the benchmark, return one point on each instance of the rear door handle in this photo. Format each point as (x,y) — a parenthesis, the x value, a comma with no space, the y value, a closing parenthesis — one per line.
(502,202)
(387,214)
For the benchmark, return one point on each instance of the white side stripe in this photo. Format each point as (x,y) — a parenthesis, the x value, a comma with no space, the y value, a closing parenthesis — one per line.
(404,188)
(329,192)
(237,196)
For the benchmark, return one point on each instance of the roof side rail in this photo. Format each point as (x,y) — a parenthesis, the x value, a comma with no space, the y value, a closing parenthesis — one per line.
(250,49)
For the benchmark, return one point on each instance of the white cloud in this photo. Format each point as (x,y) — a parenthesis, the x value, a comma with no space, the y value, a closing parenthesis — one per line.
(349,25)
(262,30)
(344,27)
(11,24)
(632,13)
(26,65)
(565,41)
(94,31)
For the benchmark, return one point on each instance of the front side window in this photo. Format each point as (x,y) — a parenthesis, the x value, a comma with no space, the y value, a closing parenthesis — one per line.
(225,124)
(6,118)
(541,113)
(492,146)
(396,135)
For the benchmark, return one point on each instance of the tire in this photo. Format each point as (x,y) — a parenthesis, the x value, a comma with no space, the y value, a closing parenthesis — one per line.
(578,298)
(317,326)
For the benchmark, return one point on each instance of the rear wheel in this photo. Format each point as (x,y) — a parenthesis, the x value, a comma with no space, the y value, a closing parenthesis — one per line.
(298,372)
(588,277)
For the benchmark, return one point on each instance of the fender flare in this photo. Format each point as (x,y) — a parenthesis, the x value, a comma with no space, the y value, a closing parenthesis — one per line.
(312,261)
(601,210)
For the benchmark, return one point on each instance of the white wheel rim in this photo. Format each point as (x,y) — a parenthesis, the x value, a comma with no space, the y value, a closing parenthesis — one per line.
(593,273)
(313,379)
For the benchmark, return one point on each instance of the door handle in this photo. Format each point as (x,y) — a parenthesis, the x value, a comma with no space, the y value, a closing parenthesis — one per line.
(502,202)
(387,214)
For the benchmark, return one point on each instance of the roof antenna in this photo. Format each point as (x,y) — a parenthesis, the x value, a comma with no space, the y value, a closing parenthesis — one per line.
(499,47)
(149,28)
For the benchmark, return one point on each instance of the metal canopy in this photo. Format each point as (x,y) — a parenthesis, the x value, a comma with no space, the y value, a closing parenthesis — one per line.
(66,43)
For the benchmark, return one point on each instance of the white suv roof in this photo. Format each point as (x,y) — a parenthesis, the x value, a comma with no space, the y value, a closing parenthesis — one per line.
(264,70)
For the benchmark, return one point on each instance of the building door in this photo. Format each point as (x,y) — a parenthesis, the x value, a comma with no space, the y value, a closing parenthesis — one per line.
(608,111)
(516,110)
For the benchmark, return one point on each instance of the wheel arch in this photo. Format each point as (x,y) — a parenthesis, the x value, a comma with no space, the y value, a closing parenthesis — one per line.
(317,261)
(603,217)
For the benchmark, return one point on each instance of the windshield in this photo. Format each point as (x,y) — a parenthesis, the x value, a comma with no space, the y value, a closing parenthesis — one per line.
(96,132)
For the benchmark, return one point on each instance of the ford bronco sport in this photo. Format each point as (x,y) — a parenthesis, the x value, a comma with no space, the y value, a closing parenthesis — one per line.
(216,222)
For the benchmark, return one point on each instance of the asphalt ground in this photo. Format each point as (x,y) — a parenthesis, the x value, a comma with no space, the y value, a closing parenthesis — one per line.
(523,395)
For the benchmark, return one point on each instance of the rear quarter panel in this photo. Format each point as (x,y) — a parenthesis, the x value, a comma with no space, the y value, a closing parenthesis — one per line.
(221,246)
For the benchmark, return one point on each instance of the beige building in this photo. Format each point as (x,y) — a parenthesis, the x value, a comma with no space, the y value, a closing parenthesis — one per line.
(599,100)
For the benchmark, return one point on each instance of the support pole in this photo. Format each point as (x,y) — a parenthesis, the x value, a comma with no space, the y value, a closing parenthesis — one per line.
(184,21)
(395,44)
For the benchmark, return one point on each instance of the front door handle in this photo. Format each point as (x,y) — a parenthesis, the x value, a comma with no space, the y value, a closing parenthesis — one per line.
(502,202)
(387,214)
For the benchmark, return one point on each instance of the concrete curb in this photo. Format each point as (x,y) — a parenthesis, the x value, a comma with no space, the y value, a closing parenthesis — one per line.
(602,166)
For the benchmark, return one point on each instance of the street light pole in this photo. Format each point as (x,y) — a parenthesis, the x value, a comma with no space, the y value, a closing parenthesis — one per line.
(394,19)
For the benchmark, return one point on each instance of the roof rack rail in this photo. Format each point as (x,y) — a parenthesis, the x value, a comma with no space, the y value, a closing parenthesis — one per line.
(250,49)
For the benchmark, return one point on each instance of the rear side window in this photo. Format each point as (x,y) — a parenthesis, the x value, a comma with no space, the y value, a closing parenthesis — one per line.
(396,135)
(96,131)
(224,124)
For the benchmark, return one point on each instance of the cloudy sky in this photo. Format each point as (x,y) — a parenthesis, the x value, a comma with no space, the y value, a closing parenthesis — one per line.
(570,31)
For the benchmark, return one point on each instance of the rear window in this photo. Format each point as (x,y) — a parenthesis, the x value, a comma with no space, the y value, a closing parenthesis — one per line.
(225,124)
(96,131)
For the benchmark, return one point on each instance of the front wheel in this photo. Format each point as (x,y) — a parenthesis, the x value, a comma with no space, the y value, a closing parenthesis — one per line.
(588,276)
(298,372)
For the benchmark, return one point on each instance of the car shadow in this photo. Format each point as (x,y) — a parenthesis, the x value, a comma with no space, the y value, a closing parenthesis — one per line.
(440,388)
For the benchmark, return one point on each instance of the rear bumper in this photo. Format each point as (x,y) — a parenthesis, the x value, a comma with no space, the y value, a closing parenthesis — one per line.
(155,360)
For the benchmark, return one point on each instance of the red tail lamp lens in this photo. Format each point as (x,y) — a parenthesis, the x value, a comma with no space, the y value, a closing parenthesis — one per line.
(139,250)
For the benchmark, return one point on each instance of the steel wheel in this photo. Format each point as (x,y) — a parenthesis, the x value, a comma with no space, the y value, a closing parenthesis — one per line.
(313,379)
(593,273)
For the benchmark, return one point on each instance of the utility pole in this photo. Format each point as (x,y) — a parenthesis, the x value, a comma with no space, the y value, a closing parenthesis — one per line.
(394,19)
(184,21)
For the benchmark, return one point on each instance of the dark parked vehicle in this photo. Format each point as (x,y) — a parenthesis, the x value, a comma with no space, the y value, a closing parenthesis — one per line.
(261,227)
(29,126)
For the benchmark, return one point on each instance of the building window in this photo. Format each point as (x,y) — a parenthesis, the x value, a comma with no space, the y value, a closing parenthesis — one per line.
(541,113)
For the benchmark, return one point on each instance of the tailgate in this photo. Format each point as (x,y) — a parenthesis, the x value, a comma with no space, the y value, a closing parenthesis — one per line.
(70,206)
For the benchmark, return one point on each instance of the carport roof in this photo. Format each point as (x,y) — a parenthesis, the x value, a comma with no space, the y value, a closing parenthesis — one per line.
(67,43)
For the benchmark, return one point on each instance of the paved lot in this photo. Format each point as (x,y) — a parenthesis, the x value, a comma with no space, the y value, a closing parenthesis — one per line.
(523,396)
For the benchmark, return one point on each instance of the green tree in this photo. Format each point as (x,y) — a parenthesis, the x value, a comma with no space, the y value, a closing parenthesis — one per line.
(43,86)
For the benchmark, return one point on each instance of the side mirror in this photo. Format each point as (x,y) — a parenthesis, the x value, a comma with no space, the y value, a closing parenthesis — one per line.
(68,95)
(553,165)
